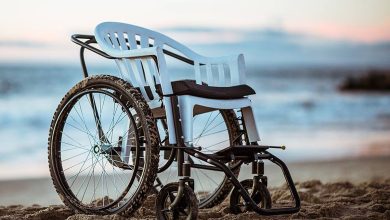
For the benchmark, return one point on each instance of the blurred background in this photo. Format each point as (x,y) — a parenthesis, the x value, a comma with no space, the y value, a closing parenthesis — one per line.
(319,68)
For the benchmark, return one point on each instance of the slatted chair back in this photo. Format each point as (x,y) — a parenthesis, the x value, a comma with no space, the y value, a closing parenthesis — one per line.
(114,38)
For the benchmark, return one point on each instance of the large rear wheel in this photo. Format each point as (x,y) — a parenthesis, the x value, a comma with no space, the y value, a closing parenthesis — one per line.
(103,147)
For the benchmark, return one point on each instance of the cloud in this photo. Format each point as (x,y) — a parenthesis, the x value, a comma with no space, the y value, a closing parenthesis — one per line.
(22,44)
(262,47)
(190,29)
(278,47)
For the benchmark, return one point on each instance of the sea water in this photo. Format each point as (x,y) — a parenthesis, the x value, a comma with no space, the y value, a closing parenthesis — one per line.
(301,108)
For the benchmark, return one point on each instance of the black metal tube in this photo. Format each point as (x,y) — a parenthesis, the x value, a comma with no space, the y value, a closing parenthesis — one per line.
(179,195)
(244,193)
(205,167)
(98,123)
(75,38)
(186,169)
(179,135)
(82,59)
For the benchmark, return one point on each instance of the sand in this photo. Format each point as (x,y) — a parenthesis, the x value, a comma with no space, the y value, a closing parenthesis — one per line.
(370,200)
(334,198)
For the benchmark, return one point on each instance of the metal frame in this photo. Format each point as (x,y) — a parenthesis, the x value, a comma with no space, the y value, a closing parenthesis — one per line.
(251,152)
(90,39)
(262,153)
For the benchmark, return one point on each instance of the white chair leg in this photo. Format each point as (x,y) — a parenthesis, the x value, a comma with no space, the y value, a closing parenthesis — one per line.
(186,115)
(250,124)
(170,122)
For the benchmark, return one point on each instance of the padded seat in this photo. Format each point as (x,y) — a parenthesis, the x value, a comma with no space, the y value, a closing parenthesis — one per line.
(189,87)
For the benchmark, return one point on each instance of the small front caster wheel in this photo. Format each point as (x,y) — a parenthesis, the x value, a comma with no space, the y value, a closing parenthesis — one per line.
(260,196)
(186,209)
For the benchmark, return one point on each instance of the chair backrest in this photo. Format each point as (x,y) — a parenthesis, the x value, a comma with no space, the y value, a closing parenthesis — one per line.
(144,73)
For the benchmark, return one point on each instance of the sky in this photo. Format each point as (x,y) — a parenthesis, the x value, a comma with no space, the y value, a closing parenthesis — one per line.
(39,30)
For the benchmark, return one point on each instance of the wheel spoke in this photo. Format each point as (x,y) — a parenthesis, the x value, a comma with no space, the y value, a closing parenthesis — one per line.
(212,132)
(86,161)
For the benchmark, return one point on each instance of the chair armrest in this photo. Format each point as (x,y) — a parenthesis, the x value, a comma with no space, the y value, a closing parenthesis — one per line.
(110,53)
(235,63)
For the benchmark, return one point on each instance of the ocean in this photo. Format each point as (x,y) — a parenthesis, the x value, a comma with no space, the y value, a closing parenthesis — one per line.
(299,107)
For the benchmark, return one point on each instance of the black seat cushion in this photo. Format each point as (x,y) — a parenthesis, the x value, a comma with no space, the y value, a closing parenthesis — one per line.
(189,87)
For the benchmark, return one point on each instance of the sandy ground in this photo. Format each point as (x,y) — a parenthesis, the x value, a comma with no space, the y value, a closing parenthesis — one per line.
(351,189)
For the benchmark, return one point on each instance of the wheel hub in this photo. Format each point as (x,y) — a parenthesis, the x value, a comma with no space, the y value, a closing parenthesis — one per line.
(102,148)
(96,149)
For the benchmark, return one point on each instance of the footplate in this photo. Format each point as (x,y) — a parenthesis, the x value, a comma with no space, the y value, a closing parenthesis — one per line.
(243,152)
(256,150)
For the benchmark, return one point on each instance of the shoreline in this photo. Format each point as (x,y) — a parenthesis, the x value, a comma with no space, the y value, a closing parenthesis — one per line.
(355,170)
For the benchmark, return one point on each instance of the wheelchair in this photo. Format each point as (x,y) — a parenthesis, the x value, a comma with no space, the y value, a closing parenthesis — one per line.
(114,140)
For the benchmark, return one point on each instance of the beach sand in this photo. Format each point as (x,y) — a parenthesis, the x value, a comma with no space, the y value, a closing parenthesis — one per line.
(348,189)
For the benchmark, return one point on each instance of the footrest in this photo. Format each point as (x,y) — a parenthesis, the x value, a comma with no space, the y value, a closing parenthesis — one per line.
(241,150)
